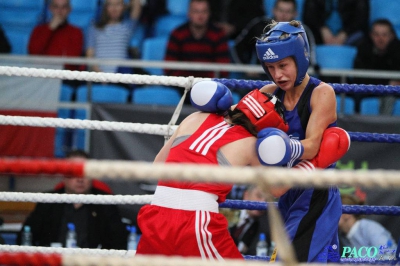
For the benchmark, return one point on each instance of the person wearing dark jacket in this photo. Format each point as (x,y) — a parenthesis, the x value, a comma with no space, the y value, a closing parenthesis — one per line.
(251,223)
(380,51)
(5,46)
(337,22)
(96,225)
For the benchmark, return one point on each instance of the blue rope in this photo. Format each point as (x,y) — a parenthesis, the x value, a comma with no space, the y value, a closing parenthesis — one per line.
(240,84)
(374,137)
(349,209)
(339,88)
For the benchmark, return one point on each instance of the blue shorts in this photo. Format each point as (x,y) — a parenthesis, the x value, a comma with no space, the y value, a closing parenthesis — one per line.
(311,218)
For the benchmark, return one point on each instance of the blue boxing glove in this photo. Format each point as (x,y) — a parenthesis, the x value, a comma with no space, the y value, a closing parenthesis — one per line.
(211,96)
(274,147)
(297,150)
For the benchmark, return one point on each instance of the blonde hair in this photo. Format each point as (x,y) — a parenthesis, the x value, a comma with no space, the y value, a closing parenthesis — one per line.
(294,23)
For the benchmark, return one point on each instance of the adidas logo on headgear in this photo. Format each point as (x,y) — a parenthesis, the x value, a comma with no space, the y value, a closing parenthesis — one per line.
(269,54)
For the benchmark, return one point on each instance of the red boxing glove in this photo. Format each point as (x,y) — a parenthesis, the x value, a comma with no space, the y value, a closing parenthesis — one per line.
(334,145)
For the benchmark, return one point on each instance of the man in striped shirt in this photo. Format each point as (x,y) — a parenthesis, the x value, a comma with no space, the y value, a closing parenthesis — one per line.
(197,41)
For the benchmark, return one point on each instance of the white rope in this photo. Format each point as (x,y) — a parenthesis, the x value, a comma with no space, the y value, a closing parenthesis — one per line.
(142,260)
(96,76)
(70,251)
(111,257)
(75,198)
(86,256)
(99,257)
(153,129)
(275,176)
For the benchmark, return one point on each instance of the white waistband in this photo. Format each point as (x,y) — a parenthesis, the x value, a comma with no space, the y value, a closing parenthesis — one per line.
(185,199)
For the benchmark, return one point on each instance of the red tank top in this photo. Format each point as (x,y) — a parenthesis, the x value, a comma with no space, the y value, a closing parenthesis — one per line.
(202,147)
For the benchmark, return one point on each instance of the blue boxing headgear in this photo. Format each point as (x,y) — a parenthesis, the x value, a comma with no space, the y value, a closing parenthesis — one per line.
(271,47)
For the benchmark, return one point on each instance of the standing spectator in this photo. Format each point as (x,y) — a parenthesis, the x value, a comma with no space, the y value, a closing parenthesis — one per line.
(57,37)
(379,52)
(246,232)
(197,41)
(97,225)
(5,46)
(337,22)
(110,36)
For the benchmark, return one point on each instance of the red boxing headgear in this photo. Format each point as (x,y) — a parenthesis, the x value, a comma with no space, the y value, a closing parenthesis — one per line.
(263,110)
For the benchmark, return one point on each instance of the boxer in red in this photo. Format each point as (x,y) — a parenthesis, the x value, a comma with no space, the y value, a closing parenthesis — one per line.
(183,217)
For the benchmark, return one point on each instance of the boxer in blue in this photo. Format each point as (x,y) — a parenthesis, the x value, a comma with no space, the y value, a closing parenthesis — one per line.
(311,215)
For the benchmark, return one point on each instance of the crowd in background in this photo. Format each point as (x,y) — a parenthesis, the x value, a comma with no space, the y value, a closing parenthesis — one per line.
(214,33)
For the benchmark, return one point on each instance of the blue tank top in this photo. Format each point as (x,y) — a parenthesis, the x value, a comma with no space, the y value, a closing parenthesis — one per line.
(311,216)
(298,117)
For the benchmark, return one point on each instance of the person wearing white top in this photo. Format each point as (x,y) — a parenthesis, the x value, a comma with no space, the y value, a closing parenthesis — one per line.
(361,232)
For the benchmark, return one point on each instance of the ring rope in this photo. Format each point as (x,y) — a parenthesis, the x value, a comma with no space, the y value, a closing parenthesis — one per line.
(17,255)
(146,199)
(176,81)
(265,182)
(98,77)
(87,124)
(72,251)
(154,129)
(75,198)
(338,87)
(75,259)
(133,170)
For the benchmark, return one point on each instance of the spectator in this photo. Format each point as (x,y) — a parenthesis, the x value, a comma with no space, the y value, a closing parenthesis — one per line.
(97,225)
(356,231)
(57,37)
(246,232)
(337,22)
(225,14)
(244,51)
(379,52)
(197,41)
(5,46)
(110,36)
(151,11)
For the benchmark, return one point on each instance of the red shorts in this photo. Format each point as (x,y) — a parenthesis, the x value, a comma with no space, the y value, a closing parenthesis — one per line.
(167,231)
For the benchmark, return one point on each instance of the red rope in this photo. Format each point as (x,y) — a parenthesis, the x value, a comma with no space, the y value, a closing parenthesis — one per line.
(67,168)
(29,259)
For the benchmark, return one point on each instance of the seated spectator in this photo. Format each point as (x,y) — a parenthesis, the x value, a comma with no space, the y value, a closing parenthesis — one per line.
(379,52)
(97,225)
(337,22)
(5,47)
(197,41)
(244,51)
(110,36)
(225,15)
(57,37)
(151,11)
(356,231)
(247,230)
